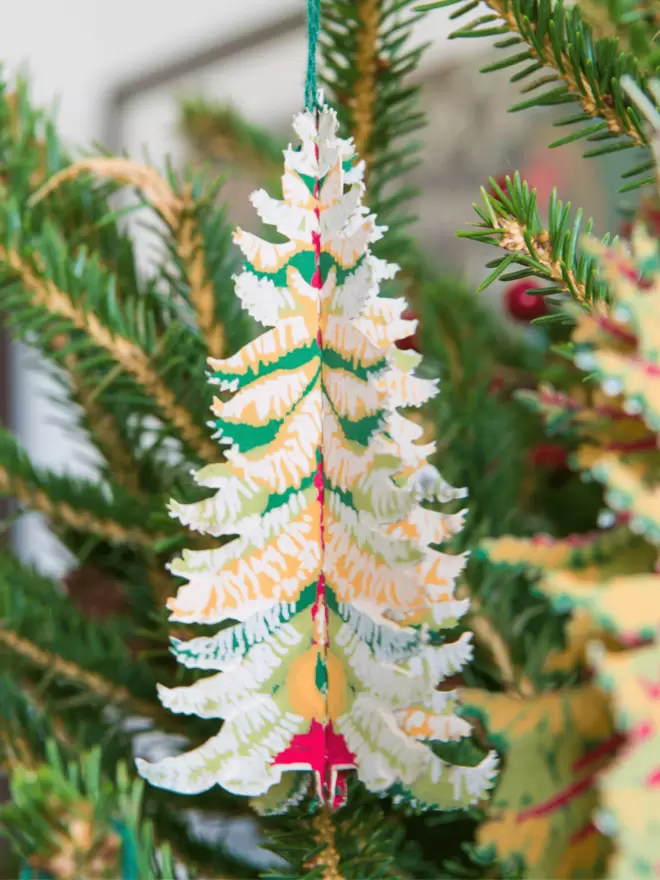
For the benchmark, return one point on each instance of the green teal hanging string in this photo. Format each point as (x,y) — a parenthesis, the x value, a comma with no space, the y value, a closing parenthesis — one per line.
(313,27)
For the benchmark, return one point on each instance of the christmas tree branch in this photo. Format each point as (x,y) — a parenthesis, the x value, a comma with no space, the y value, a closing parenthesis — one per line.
(486,634)
(74,503)
(63,514)
(366,60)
(199,238)
(220,133)
(634,23)
(328,858)
(587,71)
(102,688)
(126,354)
(41,707)
(190,248)
(42,628)
(99,422)
(67,819)
(364,88)
(510,220)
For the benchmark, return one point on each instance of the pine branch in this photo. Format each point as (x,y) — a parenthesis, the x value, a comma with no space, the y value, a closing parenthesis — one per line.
(190,248)
(29,726)
(50,303)
(634,23)
(69,821)
(73,674)
(366,61)
(510,220)
(487,634)
(222,134)
(41,628)
(100,423)
(587,71)
(30,150)
(364,91)
(201,240)
(75,503)
(362,840)
(204,262)
(328,858)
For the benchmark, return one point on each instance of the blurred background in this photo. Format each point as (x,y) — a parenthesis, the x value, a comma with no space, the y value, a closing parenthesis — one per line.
(117,75)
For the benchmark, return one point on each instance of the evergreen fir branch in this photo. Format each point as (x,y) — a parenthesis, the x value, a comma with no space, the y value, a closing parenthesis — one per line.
(36,300)
(634,23)
(367,59)
(328,857)
(68,820)
(488,635)
(99,422)
(190,249)
(28,726)
(75,503)
(222,134)
(54,664)
(42,631)
(30,150)
(510,220)
(363,840)
(364,87)
(588,71)
(204,262)
(200,242)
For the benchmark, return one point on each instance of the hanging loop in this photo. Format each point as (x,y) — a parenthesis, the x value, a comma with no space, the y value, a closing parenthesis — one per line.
(313,27)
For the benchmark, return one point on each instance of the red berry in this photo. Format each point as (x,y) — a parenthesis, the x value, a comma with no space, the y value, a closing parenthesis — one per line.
(550,456)
(409,343)
(524,306)
(496,384)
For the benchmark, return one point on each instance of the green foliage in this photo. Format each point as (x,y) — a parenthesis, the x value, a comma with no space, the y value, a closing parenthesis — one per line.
(587,71)
(370,840)
(53,290)
(368,58)
(510,220)
(635,23)
(68,816)
(208,216)
(78,503)
(34,607)
(220,133)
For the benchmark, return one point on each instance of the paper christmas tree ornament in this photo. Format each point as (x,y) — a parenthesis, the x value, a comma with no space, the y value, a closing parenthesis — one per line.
(610,579)
(338,620)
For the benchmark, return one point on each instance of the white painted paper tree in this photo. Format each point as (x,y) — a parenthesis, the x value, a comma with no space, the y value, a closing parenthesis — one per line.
(342,616)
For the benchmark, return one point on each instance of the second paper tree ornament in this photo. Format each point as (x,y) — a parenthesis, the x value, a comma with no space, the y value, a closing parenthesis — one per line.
(343,620)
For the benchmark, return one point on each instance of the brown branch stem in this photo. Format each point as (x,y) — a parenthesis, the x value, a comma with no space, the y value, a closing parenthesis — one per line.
(190,248)
(101,424)
(513,241)
(329,857)
(83,521)
(366,65)
(576,83)
(487,635)
(74,674)
(126,353)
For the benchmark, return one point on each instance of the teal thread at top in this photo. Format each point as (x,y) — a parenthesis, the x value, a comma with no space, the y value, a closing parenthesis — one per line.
(313,27)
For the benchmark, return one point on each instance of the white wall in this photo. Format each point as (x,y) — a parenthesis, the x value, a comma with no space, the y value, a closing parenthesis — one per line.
(74,51)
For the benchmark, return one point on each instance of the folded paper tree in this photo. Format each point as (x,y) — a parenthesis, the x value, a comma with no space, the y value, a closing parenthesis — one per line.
(344,621)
